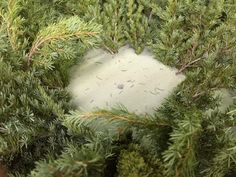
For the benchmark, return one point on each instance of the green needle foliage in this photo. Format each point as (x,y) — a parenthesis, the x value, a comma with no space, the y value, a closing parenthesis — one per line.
(137,26)
(87,160)
(41,135)
(114,23)
(115,121)
(66,29)
(123,21)
(32,104)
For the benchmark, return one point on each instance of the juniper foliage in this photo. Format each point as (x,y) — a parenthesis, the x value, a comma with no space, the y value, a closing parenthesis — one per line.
(41,134)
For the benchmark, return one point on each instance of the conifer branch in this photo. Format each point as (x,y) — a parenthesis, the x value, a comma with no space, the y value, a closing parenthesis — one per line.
(114,117)
(225,160)
(180,158)
(52,105)
(66,29)
(33,103)
(60,36)
(76,161)
(13,22)
(184,67)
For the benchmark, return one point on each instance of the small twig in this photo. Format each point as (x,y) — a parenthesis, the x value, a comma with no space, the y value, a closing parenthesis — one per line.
(198,94)
(109,50)
(150,17)
(203,92)
(188,65)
